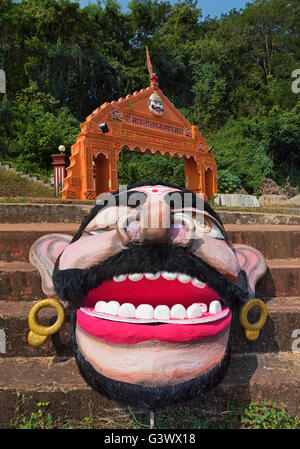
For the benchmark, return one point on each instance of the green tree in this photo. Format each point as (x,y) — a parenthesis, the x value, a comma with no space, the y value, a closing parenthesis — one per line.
(39,128)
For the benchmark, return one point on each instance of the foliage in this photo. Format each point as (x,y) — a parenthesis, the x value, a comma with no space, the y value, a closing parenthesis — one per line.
(135,167)
(268,416)
(230,76)
(227,182)
(264,415)
(39,419)
(39,129)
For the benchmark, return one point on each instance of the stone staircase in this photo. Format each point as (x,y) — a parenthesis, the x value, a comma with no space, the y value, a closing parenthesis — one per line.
(267,369)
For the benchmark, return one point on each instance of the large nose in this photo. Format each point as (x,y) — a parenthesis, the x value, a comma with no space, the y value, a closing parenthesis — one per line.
(154,223)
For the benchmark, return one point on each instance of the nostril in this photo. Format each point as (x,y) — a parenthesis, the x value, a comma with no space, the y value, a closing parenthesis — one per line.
(128,229)
(182,231)
(133,230)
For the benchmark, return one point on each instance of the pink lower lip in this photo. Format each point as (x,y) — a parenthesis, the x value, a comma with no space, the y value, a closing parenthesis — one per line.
(128,334)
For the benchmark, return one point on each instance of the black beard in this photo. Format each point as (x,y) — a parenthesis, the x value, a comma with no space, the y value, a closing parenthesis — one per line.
(73,285)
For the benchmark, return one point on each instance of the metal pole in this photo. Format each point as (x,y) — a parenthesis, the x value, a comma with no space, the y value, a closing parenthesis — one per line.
(151,420)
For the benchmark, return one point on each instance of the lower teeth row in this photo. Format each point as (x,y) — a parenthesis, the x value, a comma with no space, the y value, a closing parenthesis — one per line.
(162,312)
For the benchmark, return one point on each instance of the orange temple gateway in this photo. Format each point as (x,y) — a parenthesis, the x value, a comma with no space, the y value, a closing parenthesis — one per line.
(145,122)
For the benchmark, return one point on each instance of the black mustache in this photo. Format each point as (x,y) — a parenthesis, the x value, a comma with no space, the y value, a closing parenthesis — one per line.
(74,284)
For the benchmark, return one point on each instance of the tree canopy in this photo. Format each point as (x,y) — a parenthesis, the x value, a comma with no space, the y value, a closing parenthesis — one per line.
(231,76)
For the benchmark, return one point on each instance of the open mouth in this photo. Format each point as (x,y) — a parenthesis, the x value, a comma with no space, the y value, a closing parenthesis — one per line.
(163,306)
(158,109)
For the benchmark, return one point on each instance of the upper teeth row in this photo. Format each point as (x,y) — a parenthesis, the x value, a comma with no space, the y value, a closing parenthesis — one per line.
(162,312)
(170,276)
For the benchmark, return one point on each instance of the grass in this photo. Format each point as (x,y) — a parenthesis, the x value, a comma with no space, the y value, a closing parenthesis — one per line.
(264,415)
(14,188)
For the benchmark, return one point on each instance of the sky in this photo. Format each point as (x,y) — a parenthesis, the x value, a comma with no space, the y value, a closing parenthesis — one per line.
(213,8)
(209,7)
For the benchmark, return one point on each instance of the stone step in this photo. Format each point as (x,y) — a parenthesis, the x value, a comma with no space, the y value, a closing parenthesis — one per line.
(70,211)
(21,281)
(281,279)
(278,333)
(251,377)
(16,239)
(274,241)
(14,323)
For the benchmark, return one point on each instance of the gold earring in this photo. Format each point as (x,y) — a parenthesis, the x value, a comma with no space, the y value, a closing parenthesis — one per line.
(252,330)
(38,334)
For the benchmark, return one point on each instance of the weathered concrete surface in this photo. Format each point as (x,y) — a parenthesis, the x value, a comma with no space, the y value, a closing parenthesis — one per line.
(19,281)
(14,322)
(283,318)
(40,213)
(74,213)
(277,334)
(274,241)
(279,201)
(274,200)
(16,239)
(282,278)
(236,200)
(252,218)
(253,377)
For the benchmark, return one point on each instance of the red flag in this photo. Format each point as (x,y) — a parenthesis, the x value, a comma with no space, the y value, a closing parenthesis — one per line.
(149,63)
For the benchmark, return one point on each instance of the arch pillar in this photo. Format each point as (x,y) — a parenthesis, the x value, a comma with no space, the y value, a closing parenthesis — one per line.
(210,183)
(193,178)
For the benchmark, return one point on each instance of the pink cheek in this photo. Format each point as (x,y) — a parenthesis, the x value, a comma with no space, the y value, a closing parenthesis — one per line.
(218,254)
(89,251)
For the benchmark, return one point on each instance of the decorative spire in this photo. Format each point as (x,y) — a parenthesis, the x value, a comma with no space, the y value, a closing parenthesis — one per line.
(153,76)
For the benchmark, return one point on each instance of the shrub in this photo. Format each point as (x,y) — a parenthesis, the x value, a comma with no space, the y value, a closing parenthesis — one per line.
(228,182)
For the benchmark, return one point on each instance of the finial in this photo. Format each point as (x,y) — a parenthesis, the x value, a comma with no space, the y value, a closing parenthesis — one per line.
(153,76)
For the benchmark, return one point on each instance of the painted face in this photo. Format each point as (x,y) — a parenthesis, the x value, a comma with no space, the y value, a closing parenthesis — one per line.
(153,282)
(156,105)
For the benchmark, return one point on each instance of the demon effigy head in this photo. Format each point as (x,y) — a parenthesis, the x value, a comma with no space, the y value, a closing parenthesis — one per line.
(156,105)
(153,284)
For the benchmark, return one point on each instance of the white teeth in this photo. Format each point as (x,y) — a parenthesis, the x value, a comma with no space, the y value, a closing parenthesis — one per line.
(135,276)
(184,278)
(198,283)
(145,311)
(120,278)
(215,307)
(168,275)
(127,310)
(162,313)
(152,276)
(178,312)
(194,311)
(112,308)
(203,307)
(100,307)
